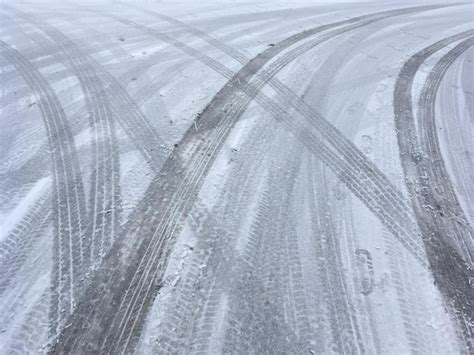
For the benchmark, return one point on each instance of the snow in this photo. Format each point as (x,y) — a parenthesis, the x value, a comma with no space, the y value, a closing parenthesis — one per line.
(9,219)
(297,229)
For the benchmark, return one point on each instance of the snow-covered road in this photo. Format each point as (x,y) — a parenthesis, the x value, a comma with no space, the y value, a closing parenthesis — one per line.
(236,177)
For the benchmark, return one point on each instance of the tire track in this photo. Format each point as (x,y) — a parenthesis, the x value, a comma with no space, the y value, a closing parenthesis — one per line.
(452,273)
(231,286)
(91,50)
(32,334)
(368,320)
(203,286)
(104,194)
(30,169)
(339,141)
(259,323)
(129,114)
(135,40)
(406,300)
(137,268)
(446,202)
(33,170)
(194,311)
(224,48)
(351,153)
(22,239)
(238,193)
(272,248)
(144,93)
(213,24)
(137,69)
(344,305)
(236,287)
(343,323)
(406,209)
(448,105)
(68,192)
(43,61)
(411,313)
(272,243)
(103,221)
(164,38)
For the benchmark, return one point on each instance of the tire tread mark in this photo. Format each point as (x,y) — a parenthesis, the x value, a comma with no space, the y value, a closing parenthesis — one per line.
(449,216)
(339,142)
(452,273)
(344,327)
(17,246)
(68,191)
(103,217)
(131,118)
(213,126)
(101,122)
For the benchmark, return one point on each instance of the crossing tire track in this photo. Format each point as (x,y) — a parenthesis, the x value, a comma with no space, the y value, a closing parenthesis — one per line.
(338,141)
(349,333)
(30,172)
(209,274)
(136,268)
(104,194)
(131,118)
(191,322)
(68,191)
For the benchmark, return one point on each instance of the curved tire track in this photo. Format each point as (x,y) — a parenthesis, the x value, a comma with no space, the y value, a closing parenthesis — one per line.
(137,269)
(203,286)
(448,215)
(68,191)
(451,272)
(104,194)
(130,116)
(381,185)
(104,151)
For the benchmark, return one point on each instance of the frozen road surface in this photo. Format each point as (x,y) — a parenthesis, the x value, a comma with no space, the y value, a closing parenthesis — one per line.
(236,177)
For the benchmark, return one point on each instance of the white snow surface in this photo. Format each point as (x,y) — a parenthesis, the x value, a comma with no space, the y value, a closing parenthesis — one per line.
(212,177)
